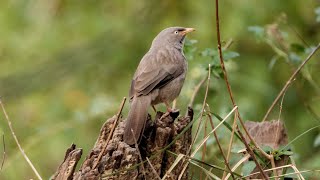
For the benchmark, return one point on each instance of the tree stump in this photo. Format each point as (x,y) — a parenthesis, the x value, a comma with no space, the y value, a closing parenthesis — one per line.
(121,161)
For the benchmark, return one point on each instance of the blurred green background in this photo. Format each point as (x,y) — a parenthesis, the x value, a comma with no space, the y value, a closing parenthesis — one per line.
(65,66)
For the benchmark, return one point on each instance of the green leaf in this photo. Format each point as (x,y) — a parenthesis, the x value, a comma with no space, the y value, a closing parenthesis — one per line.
(267,149)
(257,31)
(316,142)
(237,148)
(317,11)
(230,55)
(288,153)
(248,167)
(208,52)
(297,48)
(294,58)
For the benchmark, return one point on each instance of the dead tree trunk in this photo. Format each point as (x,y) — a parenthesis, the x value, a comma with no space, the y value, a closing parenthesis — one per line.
(120,161)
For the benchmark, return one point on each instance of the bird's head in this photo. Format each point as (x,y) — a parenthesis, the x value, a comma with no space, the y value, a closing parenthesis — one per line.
(172,36)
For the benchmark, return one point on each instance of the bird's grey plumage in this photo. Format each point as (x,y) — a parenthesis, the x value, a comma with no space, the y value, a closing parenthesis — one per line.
(158,79)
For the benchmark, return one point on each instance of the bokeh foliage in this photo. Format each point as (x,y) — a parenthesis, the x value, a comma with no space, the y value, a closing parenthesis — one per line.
(65,66)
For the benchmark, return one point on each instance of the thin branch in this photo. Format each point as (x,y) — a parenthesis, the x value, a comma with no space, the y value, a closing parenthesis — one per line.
(253,156)
(18,144)
(289,82)
(110,134)
(225,75)
(4,152)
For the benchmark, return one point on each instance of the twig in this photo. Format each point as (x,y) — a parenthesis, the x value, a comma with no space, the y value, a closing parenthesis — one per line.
(220,54)
(110,134)
(289,81)
(4,152)
(18,144)
(219,145)
(252,155)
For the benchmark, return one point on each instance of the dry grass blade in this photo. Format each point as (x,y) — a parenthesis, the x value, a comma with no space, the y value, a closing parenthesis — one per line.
(205,140)
(301,172)
(289,82)
(219,145)
(242,160)
(231,140)
(252,155)
(211,132)
(4,152)
(111,133)
(201,115)
(178,159)
(17,142)
(209,174)
(153,170)
(137,148)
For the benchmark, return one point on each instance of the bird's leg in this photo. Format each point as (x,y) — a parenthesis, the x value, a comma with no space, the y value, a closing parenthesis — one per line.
(154,108)
(168,107)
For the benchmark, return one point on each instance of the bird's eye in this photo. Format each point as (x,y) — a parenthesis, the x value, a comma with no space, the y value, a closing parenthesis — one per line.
(176,32)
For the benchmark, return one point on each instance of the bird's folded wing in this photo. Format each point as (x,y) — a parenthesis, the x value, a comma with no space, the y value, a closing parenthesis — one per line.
(154,76)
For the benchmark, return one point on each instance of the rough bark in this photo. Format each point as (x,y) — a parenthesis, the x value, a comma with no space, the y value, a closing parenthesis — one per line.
(121,161)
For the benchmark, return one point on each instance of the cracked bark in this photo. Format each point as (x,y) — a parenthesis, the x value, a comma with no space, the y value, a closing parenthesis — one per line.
(121,161)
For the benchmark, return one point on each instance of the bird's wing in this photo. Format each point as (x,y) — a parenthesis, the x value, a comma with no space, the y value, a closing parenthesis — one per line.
(154,72)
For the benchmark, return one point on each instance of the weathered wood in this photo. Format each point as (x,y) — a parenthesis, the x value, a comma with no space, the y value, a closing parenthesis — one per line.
(121,161)
(268,133)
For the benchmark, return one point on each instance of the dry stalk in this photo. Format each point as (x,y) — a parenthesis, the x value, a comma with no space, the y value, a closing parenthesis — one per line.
(226,162)
(110,134)
(17,142)
(253,156)
(289,82)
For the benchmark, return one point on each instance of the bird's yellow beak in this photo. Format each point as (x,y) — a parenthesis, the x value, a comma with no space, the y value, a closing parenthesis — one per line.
(187,30)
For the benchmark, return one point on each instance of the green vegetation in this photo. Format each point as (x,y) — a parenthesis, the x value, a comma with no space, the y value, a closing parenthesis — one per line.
(66,65)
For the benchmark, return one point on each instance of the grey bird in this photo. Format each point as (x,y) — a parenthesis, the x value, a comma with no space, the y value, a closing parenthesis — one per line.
(158,79)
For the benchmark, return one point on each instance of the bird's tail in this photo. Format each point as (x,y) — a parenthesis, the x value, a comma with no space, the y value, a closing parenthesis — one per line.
(136,119)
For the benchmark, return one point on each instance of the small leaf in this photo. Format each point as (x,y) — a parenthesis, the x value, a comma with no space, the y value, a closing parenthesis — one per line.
(294,58)
(288,153)
(273,62)
(316,142)
(317,11)
(267,149)
(258,31)
(230,55)
(248,167)
(208,52)
(298,48)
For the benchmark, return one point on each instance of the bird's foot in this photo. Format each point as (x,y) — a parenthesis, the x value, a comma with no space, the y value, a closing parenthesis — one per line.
(174,113)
